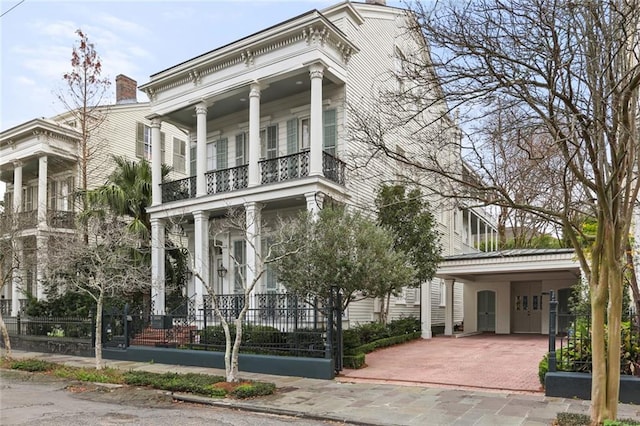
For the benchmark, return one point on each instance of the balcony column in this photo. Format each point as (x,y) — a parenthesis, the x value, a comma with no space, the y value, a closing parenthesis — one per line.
(254,135)
(42,249)
(42,192)
(201,149)
(448,307)
(316,72)
(253,219)
(16,281)
(425,309)
(17,186)
(314,203)
(201,257)
(157,266)
(156,163)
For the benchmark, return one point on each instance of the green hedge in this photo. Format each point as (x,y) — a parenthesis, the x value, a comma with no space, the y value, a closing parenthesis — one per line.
(383,343)
(353,361)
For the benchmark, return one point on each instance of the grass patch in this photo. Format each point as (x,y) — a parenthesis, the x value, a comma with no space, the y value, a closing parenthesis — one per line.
(575,419)
(199,384)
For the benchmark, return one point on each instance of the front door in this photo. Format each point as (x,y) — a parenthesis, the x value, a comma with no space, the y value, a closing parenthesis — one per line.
(486,310)
(526,307)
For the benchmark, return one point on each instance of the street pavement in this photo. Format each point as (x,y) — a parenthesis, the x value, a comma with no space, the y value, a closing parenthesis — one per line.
(372,403)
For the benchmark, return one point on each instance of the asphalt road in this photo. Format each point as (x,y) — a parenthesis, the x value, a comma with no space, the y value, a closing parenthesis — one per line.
(33,399)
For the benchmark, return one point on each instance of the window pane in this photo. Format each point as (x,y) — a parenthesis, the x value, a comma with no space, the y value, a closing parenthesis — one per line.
(221,154)
(211,156)
(292,136)
(329,134)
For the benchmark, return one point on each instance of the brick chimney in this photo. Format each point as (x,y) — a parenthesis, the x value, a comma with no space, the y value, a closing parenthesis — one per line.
(126,90)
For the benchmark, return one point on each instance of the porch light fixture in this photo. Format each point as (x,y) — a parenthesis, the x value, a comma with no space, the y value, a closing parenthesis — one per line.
(222,271)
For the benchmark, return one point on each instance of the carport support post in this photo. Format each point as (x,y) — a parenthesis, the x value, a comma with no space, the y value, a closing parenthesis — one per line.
(553,307)
(448,308)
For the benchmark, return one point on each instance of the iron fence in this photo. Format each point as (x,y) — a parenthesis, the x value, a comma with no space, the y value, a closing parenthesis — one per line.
(57,327)
(570,336)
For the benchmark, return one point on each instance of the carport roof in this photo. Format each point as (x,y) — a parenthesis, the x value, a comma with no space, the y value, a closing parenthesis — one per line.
(517,262)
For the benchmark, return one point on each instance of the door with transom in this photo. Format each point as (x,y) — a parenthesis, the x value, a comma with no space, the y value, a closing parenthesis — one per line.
(526,307)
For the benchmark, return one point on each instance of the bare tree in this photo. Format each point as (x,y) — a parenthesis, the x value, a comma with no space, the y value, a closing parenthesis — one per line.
(570,71)
(83,100)
(103,267)
(9,264)
(237,222)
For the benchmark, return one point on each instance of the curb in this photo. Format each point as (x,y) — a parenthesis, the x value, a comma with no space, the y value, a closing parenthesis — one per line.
(266,410)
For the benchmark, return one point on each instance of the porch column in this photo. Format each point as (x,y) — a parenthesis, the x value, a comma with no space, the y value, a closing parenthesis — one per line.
(314,203)
(425,309)
(448,308)
(156,163)
(201,149)
(469,229)
(478,232)
(42,249)
(201,258)
(316,72)
(42,192)
(254,135)
(252,217)
(16,283)
(17,186)
(157,266)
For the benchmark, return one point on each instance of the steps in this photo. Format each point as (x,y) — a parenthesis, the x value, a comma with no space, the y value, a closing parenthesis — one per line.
(176,336)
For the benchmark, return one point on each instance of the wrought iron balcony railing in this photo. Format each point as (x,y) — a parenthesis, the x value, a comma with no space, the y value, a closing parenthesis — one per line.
(333,168)
(180,189)
(226,180)
(289,167)
(61,219)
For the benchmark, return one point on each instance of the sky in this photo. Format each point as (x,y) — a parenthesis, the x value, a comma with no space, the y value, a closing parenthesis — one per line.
(135,38)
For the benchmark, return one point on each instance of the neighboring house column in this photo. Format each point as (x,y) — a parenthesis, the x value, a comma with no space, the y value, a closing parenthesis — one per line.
(314,203)
(16,283)
(156,163)
(17,186)
(42,250)
(252,217)
(201,149)
(201,257)
(254,135)
(316,72)
(157,266)
(448,307)
(425,309)
(42,192)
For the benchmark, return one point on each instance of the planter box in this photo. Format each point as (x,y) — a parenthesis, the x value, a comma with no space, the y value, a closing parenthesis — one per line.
(578,385)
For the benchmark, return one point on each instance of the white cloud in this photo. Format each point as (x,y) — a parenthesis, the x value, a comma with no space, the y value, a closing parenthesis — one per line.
(25,81)
(123,26)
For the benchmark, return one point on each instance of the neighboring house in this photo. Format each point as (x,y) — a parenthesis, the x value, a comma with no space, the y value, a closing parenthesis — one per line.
(271,134)
(39,162)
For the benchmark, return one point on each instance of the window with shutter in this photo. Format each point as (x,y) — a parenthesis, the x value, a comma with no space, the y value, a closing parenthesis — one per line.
(241,149)
(162,147)
(271,279)
(239,267)
(143,141)
(211,156)
(222,150)
(272,142)
(304,133)
(179,154)
(52,192)
(292,136)
(330,131)
(193,153)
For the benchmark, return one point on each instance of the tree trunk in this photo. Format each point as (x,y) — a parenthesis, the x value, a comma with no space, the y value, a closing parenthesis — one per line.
(232,370)
(633,277)
(227,347)
(5,337)
(99,333)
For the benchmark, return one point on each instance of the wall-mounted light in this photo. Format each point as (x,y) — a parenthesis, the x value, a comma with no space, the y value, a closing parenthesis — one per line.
(222,271)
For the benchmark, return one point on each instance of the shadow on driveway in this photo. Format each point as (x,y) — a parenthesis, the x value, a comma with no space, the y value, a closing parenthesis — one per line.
(486,361)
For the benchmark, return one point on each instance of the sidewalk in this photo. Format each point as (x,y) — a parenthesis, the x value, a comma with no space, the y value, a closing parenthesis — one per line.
(373,403)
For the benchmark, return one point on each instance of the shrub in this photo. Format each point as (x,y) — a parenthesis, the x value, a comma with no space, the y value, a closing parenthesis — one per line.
(350,340)
(200,384)
(406,325)
(543,368)
(372,331)
(353,361)
(32,365)
(572,419)
(253,389)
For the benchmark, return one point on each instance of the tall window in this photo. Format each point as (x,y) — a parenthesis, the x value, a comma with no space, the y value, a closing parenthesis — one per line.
(239,265)
(271,279)
(304,133)
(269,142)
(211,156)
(143,141)
(330,131)
(29,198)
(241,149)
(222,154)
(162,148)
(193,154)
(179,155)
(292,136)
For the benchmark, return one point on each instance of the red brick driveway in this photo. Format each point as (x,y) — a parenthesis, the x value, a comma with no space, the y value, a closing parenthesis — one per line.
(486,361)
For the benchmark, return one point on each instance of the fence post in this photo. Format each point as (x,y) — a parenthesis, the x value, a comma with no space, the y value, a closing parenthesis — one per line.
(18,323)
(329,313)
(337,309)
(553,307)
(125,319)
(93,328)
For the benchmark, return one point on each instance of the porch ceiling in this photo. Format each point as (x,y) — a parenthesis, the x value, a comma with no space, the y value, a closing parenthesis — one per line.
(511,265)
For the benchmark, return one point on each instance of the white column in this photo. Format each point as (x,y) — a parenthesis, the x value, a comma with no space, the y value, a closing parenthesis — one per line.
(201,149)
(469,241)
(252,218)
(448,308)
(156,163)
(254,135)
(157,266)
(314,202)
(315,161)
(425,309)
(42,249)
(17,186)
(16,284)
(201,258)
(478,236)
(42,192)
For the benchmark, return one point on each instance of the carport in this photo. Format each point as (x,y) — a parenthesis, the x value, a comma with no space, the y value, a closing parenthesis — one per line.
(508,291)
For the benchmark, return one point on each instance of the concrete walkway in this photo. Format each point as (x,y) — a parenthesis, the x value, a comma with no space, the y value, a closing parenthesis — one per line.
(375,404)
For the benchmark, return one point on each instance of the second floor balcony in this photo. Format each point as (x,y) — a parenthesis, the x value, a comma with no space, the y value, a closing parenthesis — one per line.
(29,220)
(274,170)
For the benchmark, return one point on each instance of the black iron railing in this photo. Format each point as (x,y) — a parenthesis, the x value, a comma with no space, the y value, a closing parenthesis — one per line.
(5,307)
(57,327)
(180,189)
(285,168)
(226,180)
(61,219)
(333,168)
